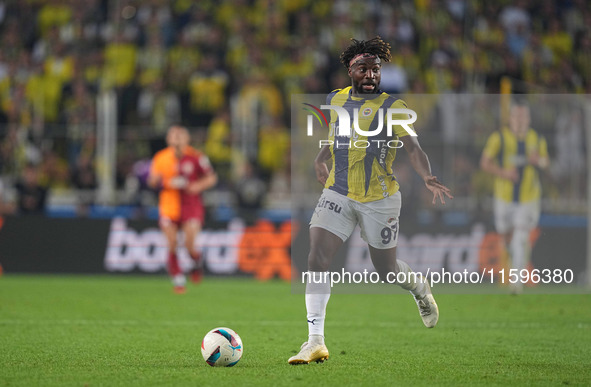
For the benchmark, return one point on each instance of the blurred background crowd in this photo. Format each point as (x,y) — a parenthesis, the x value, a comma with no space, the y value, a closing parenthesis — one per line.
(226,69)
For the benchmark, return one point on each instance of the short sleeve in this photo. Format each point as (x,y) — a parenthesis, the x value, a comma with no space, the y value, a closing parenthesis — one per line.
(204,164)
(331,95)
(400,130)
(493,146)
(543,150)
(156,165)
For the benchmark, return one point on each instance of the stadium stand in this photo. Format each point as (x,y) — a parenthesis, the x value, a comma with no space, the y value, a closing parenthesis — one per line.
(180,60)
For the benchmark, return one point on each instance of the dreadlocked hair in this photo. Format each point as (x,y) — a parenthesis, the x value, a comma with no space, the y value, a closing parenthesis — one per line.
(375,46)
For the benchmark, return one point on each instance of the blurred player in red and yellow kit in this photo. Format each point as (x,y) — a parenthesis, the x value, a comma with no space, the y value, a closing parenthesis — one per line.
(182,173)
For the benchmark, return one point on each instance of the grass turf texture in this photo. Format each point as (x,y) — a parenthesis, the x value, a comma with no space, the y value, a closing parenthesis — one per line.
(133,331)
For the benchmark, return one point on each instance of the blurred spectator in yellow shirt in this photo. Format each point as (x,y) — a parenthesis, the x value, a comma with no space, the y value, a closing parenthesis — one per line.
(208,88)
(55,13)
(120,61)
(274,143)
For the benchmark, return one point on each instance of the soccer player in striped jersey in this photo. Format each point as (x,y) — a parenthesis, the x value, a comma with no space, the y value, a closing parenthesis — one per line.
(362,189)
(514,155)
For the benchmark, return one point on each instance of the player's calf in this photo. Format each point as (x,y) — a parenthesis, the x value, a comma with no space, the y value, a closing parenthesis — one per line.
(197,271)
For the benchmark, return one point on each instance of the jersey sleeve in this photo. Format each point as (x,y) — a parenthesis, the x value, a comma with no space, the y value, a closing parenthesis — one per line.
(156,165)
(331,95)
(543,147)
(493,146)
(161,167)
(400,130)
(204,165)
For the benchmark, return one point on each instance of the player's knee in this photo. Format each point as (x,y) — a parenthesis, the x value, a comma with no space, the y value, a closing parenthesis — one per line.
(172,245)
(318,262)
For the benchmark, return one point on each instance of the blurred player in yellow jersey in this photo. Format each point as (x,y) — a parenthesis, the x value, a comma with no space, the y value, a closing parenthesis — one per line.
(514,155)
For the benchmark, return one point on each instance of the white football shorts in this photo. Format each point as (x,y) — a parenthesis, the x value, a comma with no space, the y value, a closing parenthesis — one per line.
(378,220)
(509,216)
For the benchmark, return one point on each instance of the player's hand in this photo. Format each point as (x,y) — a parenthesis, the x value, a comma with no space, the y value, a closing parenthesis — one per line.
(533,159)
(194,188)
(510,174)
(178,182)
(154,181)
(321,172)
(438,189)
(537,161)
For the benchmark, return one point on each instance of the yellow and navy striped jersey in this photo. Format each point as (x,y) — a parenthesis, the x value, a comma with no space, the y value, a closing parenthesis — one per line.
(504,147)
(364,172)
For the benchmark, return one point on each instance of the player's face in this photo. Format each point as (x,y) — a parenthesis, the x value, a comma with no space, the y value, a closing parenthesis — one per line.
(366,75)
(519,120)
(173,137)
(177,137)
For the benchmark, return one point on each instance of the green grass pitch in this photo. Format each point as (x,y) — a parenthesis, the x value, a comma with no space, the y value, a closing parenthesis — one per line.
(134,331)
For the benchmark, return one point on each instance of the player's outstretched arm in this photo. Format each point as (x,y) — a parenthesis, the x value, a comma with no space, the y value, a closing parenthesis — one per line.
(487,164)
(154,181)
(154,177)
(206,182)
(539,161)
(420,162)
(320,164)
